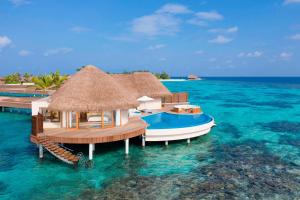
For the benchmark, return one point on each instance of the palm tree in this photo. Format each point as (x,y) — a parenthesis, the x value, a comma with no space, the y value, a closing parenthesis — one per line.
(49,81)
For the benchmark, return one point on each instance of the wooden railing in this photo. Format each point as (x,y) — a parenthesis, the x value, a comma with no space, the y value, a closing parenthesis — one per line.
(180,97)
(37,124)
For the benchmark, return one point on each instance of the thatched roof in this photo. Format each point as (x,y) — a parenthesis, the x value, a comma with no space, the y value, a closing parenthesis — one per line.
(91,90)
(142,84)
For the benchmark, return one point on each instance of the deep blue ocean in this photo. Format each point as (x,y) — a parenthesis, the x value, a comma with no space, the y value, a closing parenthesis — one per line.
(252,153)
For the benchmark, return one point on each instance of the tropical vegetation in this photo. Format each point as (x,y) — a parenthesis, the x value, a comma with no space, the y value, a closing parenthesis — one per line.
(49,81)
(162,75)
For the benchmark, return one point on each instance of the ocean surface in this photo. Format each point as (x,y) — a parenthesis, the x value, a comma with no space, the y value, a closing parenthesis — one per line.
(252,153)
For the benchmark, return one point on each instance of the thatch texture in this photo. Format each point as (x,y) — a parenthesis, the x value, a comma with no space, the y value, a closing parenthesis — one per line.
(91,90)
(142,84)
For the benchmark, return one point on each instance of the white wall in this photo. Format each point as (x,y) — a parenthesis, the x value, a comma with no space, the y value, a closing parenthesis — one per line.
(37,105)
(124,116)
(155,104)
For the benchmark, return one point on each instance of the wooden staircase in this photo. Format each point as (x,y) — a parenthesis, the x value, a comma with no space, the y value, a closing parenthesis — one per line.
(58,151)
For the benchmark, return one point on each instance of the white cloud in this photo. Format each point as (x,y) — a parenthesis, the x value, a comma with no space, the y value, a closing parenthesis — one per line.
(79,29)
(233,29)
(199,52)
(285,55)
(291,1)
(255,54)
(174,9)
(210,16)
(123,38)
(63,50)
(4,41)
(295,37)
(162,22)
(162,59)
(155,47)
(197,22)
(220,39)
(19,2)
(156,24)
(24,53)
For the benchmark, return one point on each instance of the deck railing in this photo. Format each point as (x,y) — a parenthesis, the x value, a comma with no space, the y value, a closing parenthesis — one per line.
(180,97)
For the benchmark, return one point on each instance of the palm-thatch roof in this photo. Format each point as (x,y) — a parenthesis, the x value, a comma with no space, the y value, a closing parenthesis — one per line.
(91,90)
(142,84)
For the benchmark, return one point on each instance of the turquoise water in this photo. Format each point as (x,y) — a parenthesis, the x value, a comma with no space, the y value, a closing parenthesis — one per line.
(252,153)
(10,94)
(168,121)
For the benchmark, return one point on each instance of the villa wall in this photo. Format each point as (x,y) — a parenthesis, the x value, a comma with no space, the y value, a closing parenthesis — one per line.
(155,104)
(124,116)
(37,105)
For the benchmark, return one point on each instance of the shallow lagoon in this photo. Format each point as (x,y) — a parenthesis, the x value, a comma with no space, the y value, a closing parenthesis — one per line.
(253,152)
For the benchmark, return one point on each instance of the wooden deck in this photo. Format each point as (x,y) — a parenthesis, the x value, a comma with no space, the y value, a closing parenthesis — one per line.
(133,128)
(16,102)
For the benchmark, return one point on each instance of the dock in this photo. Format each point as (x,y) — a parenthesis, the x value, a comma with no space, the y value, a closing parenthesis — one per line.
(16,102)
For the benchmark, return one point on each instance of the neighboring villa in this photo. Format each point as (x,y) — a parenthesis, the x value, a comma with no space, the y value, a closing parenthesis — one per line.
(94,107)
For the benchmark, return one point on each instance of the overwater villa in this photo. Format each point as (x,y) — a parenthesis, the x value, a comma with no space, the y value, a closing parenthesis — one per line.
(94,107)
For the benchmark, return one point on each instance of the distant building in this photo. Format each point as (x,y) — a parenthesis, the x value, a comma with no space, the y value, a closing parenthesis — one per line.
(193,77)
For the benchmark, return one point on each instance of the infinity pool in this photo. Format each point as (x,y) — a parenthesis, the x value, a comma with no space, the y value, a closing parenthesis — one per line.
(10,94)
(169,121)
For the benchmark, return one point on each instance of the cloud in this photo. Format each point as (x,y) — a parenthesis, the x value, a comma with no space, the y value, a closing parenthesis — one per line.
(24,53)
(285,55)
(174,9)
(123,38)
(295,37)
(4,42)
(197,22)
(19,2)
(162,59)
(63,50)
(199,52)
(155,47)
(291,1)
(255,54)
(156,24)
(220,39)
(79,29)
(210,16)
(162,22)
(233,29)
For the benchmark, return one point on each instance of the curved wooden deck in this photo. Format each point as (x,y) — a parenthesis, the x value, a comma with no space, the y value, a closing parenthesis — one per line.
(133,128)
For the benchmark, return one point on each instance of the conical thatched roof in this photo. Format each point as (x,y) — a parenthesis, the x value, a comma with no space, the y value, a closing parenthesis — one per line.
(142,84)
(91,90)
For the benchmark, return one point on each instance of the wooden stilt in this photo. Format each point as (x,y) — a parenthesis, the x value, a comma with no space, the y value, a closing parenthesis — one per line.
(166,143)
(41,151)
(91,151)
(143,141)
(126,146)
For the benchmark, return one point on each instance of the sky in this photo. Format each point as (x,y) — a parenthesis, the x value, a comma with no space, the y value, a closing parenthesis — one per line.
(203,37)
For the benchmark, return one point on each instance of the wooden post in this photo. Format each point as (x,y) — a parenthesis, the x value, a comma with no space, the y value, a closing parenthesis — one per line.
(143,141)
(126,146)
(166,143)
(102,119)
(120,117)
(41,153)
(77,120)
(91,150)
(189,141)
(68,121)
(113,119)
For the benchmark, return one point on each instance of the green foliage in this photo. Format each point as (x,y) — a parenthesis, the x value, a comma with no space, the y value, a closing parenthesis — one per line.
(49,81)
(162,75)
(27,77)
(14,78)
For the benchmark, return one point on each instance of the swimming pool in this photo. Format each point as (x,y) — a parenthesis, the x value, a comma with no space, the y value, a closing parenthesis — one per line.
(10,94)
(168,127)
(167,120)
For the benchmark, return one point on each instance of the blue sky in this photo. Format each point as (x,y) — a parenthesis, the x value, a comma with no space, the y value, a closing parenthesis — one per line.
(204,37)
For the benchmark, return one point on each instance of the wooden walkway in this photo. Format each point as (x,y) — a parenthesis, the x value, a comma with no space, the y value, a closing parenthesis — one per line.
(16,102)
(133,128)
